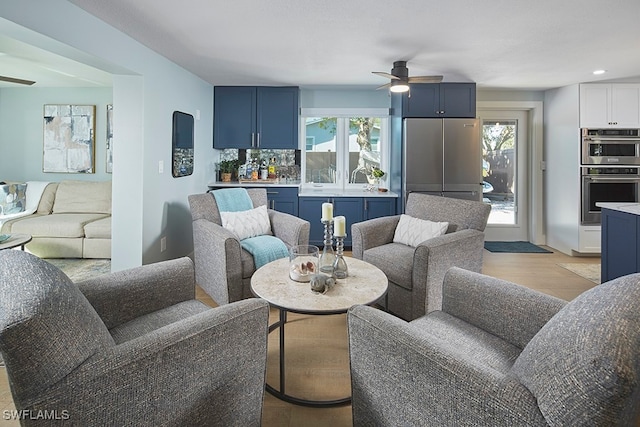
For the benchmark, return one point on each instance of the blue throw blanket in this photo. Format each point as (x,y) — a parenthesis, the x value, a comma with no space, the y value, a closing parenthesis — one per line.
(265,249)
(232,199)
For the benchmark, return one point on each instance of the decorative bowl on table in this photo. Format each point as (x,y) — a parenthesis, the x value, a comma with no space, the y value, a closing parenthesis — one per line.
(303,262)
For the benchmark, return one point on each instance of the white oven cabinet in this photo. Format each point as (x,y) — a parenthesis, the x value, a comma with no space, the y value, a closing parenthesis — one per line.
(610,105)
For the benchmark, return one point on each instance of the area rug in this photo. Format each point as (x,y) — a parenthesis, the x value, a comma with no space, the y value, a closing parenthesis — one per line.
(589,271)
(514,247)
(81,269)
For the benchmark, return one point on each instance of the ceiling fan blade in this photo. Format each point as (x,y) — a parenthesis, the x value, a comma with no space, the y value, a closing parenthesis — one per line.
(386,75)
(383,86)
(14,80)
(425,79)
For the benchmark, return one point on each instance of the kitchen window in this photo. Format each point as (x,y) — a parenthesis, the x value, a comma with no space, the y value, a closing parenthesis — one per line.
(342,146)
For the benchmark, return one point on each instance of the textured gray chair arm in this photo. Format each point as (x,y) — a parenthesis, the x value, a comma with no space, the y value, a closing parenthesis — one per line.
(217,256)
(199,366)
(403,375)
(514,313)
(290,229)
(434,257)
(371,233)
(125,295)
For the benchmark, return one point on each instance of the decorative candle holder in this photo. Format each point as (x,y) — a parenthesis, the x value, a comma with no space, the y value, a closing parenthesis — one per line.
(340,269)
(328,257)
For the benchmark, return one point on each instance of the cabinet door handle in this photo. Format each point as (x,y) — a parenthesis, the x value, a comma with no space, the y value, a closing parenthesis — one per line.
(366,205)
(258,140)
(252,139)
(273,204)
(272,192)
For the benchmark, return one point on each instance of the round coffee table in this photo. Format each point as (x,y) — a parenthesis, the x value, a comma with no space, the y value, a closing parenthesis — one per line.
(15,240)
(365,285)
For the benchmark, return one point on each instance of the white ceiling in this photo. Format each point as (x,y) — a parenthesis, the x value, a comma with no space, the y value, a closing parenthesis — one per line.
(500,44)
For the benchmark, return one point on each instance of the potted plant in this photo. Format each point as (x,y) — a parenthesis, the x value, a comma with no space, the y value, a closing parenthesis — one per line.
(227,168)
(377,174)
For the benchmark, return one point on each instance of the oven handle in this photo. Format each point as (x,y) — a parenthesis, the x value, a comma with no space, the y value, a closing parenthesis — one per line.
(613,178)
(613,139)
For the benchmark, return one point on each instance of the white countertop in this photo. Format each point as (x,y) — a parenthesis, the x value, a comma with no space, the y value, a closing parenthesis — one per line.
(306,191)
(632,208)
(257,183)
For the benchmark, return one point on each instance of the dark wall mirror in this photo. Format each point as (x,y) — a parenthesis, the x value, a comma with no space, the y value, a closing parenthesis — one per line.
(182,144)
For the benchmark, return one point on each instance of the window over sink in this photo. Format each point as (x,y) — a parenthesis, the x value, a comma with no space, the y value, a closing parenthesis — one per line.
(343,146)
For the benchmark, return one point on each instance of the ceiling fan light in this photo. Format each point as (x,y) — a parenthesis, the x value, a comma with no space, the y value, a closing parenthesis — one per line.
(399,86)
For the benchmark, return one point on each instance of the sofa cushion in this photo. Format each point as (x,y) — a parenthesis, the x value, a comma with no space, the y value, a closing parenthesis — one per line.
(395,260)
(100,229)
(412,231)
(83,197)
(13,198)
(48,197)
(586,359)
(55,225)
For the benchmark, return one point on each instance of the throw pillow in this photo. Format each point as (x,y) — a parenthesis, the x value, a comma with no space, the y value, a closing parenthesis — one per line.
(250,223)
(413,231)
(13,198)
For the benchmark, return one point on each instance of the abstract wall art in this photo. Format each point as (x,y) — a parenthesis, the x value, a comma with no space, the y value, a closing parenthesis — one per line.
(69,139)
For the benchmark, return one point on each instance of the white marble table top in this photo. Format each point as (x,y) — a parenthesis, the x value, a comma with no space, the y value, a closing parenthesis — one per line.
(364,285)
(15,240)
(632,208)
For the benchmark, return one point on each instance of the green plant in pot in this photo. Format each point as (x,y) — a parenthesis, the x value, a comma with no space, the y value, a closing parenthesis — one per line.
(228,168)
(378,174)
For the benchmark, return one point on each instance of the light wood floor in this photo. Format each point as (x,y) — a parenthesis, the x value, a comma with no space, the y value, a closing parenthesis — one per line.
(317,354)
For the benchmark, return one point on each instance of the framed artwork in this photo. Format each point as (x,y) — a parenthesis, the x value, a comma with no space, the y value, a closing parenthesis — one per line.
(182,144)
(109,138)
(69,139)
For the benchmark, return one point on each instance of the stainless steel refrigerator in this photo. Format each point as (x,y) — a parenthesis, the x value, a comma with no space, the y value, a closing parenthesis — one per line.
(442,157)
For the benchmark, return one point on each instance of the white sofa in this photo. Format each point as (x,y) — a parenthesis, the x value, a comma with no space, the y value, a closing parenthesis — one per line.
(72,220)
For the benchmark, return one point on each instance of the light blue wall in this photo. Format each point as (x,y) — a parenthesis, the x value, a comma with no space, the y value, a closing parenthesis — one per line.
(21,131)
(344,98)
(147,88)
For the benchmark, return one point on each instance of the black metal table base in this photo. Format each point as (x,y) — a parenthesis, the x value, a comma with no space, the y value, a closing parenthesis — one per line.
(280,394)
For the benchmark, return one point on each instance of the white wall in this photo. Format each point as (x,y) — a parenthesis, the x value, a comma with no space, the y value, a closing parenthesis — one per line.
(562,183)
(347,97)
(21,131)
(147,89)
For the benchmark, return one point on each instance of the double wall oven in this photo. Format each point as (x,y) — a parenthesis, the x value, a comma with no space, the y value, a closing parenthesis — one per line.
(610,169)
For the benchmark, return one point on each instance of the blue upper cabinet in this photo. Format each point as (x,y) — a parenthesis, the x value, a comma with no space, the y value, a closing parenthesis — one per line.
(440,100)
(255,117)
(277,117)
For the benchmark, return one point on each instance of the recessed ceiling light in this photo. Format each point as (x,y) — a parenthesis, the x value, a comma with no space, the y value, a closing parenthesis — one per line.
(598,72)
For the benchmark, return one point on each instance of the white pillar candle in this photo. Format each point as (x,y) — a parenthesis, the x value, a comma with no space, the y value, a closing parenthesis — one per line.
(327,211)
(340,226)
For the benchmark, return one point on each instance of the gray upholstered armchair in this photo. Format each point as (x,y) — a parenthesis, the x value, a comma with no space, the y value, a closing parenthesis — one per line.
(129,348)
(499,354)
(223,267)
(415,273)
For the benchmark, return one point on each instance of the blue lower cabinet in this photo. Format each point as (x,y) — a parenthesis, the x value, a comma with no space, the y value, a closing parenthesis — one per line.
(354,209)
(376,207)
(620,244)
(283,199)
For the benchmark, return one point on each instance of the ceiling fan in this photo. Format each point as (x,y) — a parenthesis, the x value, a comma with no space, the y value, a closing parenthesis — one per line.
(400,78)
(18,81)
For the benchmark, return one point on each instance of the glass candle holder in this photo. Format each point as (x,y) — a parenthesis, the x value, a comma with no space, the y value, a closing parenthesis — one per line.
(328,257)
(340,269)
(303,262)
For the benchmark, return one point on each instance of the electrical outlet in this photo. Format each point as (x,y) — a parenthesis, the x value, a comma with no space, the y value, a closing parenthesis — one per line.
(163,244)
(160,166)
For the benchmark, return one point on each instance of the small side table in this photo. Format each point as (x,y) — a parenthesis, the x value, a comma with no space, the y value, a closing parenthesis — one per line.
(16,240)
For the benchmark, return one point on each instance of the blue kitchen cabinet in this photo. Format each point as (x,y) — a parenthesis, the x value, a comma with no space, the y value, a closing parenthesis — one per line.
(620,249)
(283,199)
(376,207)
(440,100)
(255,117)
(354,209)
